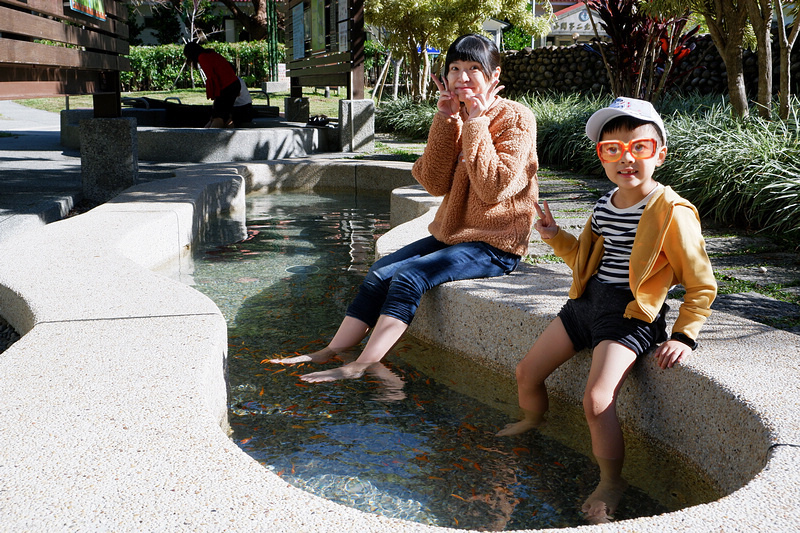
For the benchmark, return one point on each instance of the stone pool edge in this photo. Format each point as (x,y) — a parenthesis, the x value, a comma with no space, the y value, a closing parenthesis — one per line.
(115,394)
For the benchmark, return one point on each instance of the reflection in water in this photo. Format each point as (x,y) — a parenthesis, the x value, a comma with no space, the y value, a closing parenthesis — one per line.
(399,441)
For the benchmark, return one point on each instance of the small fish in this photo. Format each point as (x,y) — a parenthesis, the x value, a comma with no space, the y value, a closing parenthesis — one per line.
(459,497)
(520,450)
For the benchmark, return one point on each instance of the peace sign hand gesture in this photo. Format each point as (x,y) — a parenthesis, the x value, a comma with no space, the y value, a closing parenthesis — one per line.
(479,103)
(545,224)
(447,104)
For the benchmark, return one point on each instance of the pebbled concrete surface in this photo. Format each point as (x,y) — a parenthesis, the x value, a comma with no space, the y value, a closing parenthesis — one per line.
(129,434)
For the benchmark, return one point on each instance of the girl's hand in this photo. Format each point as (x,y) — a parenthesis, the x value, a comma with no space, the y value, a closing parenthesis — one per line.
(479,103)
(545,224)
(448,104)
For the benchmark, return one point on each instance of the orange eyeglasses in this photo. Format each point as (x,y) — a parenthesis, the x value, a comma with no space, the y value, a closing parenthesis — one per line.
(612,151)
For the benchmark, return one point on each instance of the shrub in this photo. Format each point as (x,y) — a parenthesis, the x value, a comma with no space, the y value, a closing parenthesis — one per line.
(160,68)
(740,173)
(405,117)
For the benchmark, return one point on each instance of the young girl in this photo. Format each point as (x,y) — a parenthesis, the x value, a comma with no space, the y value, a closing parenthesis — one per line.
(481,156)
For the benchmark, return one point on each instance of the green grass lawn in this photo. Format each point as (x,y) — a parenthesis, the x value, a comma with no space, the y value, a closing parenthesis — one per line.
(318,104)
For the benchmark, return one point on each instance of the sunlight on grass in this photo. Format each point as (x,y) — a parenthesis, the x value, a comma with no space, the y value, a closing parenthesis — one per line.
(318,104)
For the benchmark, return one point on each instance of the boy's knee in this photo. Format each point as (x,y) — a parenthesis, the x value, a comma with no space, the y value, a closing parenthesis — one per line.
(596,403)
(526,374)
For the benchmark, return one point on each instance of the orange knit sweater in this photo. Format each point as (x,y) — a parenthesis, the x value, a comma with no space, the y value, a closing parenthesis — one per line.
(486,170)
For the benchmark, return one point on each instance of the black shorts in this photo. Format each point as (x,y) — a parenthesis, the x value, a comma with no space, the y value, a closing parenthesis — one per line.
(598,315)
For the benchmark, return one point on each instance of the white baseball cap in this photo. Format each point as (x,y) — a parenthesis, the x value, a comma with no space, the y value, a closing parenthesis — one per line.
(641,109)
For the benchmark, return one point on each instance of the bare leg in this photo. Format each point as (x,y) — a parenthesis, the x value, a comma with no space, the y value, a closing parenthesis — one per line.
(611,363)
(350,332)
(386,333)
(551,349)
(216,123)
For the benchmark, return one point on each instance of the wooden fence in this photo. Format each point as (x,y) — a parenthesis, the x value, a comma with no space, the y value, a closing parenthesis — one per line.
(48,49)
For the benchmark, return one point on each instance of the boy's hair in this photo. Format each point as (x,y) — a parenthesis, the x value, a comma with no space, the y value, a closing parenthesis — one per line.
(474,47)
(628,123)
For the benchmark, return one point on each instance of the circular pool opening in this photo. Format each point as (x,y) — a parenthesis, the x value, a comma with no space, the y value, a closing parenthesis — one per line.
(414,438)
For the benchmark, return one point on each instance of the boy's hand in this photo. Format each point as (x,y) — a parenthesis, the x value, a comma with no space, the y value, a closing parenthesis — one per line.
(545,224)
(671,352)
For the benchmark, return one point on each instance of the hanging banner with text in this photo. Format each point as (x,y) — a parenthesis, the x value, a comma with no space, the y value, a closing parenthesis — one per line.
(93,8)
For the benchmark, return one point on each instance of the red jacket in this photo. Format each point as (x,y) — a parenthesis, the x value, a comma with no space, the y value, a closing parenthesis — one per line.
(219,72)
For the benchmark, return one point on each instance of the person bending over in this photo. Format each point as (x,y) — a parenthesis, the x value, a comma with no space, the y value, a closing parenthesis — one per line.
(222,84)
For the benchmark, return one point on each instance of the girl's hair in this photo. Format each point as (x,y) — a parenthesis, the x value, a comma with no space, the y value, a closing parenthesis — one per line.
(192,51)
(474,47)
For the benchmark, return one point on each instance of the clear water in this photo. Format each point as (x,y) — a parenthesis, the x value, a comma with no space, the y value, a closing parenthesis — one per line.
(405,441)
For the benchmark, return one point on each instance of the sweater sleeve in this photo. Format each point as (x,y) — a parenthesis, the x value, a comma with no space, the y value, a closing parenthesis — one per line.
(496,154)
(685,251)
(435,168)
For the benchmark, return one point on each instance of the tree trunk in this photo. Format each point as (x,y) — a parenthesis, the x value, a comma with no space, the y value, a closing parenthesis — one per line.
(425,77)
(726,27)
(414,67)
(396,81)
(786,45)
(256,24)
(761,19)
(736,88)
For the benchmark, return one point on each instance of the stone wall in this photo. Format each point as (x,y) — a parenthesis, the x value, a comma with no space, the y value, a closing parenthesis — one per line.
(576,68)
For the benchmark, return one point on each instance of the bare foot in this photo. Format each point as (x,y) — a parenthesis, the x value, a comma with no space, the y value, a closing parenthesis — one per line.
(322,356)
(349,371)
(516,428)
(530,421)
(601,504)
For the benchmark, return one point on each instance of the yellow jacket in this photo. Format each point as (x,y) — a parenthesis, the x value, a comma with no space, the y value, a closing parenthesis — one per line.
(668,249)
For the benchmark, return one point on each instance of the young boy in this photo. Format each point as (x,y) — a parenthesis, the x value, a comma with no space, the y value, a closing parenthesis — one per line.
(641,239)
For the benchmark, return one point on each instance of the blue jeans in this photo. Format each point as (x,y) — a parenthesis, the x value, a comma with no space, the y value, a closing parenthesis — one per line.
(395,284)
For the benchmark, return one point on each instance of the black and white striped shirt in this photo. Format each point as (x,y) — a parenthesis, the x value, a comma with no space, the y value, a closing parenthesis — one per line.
(618,229)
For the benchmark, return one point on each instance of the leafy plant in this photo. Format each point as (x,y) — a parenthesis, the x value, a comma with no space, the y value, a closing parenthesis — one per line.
(645,48)
(405,117)
(157,68)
